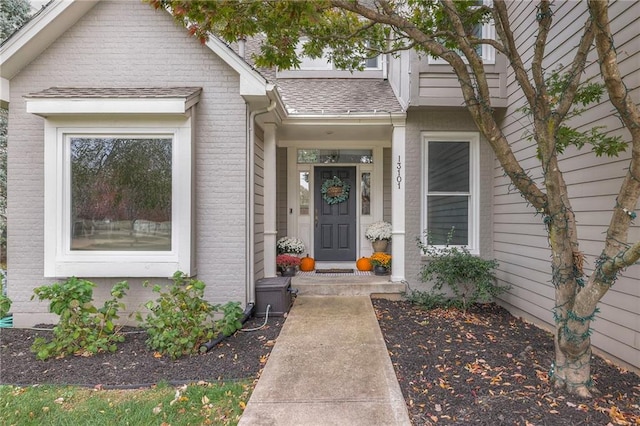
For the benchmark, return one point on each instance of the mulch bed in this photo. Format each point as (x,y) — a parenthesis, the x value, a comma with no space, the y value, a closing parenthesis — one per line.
(484,367)
(240,356)
(487,367)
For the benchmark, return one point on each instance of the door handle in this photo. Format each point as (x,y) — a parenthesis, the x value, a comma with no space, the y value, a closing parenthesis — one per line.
(316,218)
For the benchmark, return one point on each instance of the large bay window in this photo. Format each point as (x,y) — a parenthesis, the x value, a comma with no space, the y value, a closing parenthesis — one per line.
(451,188)
(118,187)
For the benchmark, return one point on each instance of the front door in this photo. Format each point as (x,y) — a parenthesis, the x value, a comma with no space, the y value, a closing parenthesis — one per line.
(335,213)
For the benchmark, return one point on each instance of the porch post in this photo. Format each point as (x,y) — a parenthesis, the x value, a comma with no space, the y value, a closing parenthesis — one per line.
(398,183)
(270,229)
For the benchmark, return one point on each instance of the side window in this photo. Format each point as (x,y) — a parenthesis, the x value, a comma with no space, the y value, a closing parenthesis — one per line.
(451,187)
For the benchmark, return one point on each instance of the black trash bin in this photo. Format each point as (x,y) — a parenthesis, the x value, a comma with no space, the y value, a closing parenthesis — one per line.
(277,293)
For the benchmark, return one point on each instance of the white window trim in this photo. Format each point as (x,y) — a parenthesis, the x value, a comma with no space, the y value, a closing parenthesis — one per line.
(474,185)
(488,52)
(59,260)
(325,64)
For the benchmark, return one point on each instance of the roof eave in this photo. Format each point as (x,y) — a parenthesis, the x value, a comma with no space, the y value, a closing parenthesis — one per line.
(39,33)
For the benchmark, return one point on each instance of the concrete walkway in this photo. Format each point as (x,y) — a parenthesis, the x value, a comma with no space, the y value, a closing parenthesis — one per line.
(329,366)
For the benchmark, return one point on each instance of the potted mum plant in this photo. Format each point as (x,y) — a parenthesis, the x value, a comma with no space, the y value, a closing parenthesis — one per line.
(287,264)
(379,233)
(381,263)
(290,245)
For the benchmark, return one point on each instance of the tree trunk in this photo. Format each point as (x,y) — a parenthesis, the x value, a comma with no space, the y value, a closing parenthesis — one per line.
(572,372)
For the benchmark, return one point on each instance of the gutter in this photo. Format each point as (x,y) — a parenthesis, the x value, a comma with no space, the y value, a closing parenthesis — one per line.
(250,218)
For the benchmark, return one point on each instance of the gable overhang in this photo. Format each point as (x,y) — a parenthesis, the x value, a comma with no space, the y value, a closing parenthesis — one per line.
(56,18)
(252,84)
(37,34)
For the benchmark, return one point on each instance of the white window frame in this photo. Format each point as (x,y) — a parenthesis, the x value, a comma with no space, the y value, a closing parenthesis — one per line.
(473,243)
(59,259)
(488,52)
(325,64)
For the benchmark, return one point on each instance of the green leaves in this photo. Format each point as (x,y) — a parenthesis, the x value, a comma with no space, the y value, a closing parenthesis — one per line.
(180,320)
(556,83)
(82,329)
(470,278)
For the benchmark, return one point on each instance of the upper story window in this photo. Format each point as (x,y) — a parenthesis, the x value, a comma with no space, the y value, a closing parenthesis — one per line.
(118,182)
(322,67)
(450,210)
(486,31)
(324,64)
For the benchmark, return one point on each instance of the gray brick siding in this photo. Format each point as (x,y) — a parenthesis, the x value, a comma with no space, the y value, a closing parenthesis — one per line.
(129,44)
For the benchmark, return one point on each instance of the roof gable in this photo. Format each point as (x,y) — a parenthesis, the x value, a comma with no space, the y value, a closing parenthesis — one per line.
(57,17)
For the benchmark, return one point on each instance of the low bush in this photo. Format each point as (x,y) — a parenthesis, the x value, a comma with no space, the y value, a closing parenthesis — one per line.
(5,302)
(82,329)
(470,278)
(181,320)
(431,300)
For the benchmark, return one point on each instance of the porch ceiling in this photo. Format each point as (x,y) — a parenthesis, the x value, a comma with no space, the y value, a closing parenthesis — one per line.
(335,132)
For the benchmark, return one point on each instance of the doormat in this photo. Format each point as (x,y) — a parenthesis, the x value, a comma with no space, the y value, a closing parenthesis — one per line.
(334,271)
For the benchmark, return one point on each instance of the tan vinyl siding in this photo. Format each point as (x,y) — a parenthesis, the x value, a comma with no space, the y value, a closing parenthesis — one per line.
(281,192)
(437,85)
(129,44)
(259,205)
(520,240)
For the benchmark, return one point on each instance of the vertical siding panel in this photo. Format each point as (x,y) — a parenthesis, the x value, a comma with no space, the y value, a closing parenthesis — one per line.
(259,206)
(523,249)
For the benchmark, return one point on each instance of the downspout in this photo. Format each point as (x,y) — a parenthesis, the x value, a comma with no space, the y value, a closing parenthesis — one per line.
(251,196)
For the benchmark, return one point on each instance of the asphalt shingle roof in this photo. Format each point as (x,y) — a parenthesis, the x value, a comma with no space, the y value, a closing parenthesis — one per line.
(117,92)
(338,96)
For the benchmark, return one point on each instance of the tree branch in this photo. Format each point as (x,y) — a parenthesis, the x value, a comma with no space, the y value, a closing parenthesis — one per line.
(576,70)
(503,29)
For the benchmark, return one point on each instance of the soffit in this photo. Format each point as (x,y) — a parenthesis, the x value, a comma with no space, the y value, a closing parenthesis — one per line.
(112,100)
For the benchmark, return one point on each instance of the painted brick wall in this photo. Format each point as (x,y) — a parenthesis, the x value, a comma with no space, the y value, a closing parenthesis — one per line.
(129,44)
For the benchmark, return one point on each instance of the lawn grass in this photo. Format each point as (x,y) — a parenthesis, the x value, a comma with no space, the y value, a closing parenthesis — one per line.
(202,404)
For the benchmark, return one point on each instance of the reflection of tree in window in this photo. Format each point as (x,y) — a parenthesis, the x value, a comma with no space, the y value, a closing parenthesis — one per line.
(121,193)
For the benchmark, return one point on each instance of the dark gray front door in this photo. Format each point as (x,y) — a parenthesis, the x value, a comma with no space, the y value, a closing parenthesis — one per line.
(335,224)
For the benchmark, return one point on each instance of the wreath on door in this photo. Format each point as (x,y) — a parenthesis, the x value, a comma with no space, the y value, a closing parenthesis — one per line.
(335,190)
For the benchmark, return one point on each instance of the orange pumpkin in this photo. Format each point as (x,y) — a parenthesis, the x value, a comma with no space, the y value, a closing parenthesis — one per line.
(364,264)
(307,264)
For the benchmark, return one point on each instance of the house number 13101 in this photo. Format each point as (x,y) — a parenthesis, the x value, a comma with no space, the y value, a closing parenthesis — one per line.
(399,177)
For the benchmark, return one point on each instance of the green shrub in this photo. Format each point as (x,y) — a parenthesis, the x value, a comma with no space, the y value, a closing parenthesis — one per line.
(470,278)
(431,300)
(180,320)
(82,328)
(5,302)
(5,305)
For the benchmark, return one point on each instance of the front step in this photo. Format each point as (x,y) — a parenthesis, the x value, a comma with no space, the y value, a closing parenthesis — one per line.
(346,285)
